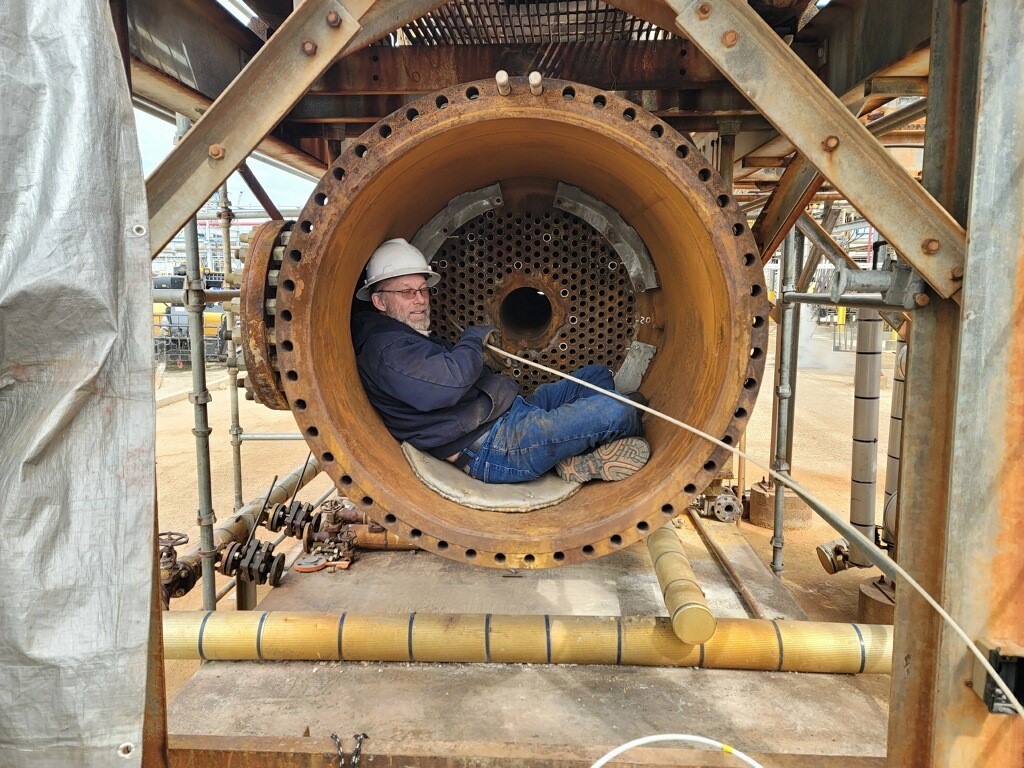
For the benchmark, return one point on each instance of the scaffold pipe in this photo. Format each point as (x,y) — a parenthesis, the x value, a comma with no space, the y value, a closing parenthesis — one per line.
(749,644)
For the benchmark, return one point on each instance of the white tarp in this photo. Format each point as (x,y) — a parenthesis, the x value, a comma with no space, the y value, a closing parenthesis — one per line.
(76,393)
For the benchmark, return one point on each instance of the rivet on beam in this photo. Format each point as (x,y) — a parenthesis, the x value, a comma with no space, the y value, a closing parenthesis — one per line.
(830,143)
(730,38)
(703,11)
(921,299)
(216,152)
(308,47)
(333,19)
(930,246)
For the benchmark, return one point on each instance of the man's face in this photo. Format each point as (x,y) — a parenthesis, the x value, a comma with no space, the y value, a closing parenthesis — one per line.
(413,310)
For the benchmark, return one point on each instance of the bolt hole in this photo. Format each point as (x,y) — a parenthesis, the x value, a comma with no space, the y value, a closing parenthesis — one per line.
(529,559)
(499,558)
(749,383)
(411,114)
(306,226)
(287,345)
(616,540)
(756,353)
(727,439)
(558,556)
(710,466)
(629,114)
(442,545)
(295,256)
(361,150)
(600,101)
(755,290)
(668,509)
(289,285)
(390,519)
(683,150)
(126,749)
(292,376)
(384,131)
(471,553)
(286,315)
(568,93)
(657,131)
(737,229)
(367,501)
(643,526)
(723,200)
(441,101)
(471,94)
(346,480)
(415,533)
(313,432)
(740,413)
(300,404)
(588,549)
(704,174)
(338,173)
(327,456)
(321,198)
(749,259)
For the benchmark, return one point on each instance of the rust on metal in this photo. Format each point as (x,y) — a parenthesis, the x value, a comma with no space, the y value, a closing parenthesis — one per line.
(465,138)
(259,349)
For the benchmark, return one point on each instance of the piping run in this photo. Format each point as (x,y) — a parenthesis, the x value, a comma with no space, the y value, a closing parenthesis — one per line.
(688,611)
(748,644)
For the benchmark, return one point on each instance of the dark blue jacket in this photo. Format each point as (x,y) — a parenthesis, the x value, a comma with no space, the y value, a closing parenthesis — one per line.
(436,395)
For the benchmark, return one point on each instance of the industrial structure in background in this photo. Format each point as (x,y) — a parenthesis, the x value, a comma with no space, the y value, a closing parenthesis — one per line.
(651,185)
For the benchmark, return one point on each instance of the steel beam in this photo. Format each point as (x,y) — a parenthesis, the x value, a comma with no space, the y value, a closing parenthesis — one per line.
(299,52)
(966,551)
(896,87)
(757,61)
(823,241)
(175,98)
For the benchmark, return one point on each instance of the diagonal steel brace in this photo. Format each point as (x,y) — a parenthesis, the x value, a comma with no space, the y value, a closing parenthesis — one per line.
(756,60)
(299,52)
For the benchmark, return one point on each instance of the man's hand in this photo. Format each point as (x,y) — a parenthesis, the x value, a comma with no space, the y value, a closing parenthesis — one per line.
(492,359)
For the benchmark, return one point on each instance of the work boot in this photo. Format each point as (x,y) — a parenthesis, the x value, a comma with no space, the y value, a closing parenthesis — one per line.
(616,460)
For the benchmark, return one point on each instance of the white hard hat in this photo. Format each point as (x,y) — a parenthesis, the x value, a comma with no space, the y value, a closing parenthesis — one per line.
(395,258)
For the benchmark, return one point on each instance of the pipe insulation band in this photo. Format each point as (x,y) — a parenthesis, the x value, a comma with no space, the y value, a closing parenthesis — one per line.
(748,644)
(688,611)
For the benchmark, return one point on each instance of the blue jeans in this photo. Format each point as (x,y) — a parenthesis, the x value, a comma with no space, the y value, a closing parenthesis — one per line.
(558,421)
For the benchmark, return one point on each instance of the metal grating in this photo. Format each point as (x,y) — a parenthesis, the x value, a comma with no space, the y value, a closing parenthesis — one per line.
(468,22)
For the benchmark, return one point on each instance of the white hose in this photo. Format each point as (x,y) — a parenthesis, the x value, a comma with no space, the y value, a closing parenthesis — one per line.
(675,737)
(888,566)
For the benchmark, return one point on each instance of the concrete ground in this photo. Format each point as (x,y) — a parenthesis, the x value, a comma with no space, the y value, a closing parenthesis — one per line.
(774,712)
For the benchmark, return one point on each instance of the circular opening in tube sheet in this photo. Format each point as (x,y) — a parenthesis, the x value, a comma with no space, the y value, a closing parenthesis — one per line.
(526,312)
(673,315)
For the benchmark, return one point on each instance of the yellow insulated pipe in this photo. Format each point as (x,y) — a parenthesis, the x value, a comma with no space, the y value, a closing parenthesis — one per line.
(752,644)
(688,611)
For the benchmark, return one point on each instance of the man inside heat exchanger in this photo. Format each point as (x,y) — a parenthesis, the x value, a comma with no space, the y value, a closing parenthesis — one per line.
(445,399)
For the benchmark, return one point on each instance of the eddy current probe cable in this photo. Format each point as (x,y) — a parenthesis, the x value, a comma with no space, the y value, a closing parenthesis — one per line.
(885,564)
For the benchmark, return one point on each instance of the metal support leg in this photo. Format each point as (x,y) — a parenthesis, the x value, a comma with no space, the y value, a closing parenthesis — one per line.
(232,353)
(867,378)
(788,332)
(200,397)
(245,595)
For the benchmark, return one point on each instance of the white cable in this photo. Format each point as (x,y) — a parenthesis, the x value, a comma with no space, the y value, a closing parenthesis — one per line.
(888,566)
(675,737)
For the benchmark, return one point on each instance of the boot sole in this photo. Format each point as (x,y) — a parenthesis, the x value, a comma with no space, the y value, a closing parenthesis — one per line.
(612,461)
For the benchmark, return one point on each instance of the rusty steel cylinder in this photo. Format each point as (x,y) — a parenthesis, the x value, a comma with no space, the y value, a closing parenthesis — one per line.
(688,611)
(752,644)
(588,231)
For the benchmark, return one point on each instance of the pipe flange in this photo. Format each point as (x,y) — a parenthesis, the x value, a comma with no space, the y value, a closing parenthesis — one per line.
(707,319)
(257,320)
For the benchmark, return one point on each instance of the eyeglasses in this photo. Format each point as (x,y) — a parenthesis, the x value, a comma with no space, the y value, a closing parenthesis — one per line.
(408,293)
